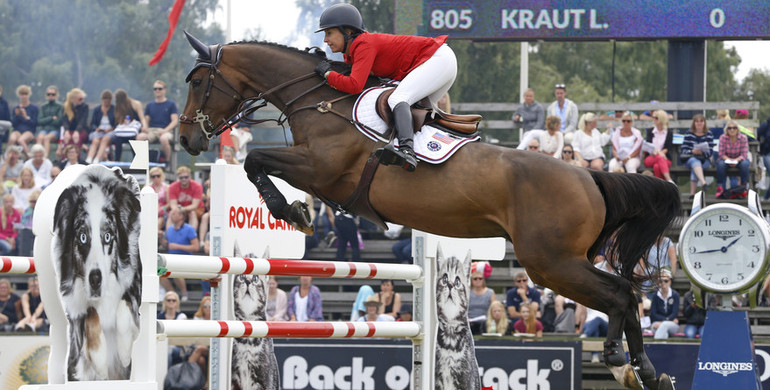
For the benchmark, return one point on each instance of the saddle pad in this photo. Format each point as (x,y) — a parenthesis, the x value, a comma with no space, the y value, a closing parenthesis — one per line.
(431,144)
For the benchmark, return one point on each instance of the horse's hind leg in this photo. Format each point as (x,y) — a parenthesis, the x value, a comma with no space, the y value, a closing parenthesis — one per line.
(639,359)
(297,213)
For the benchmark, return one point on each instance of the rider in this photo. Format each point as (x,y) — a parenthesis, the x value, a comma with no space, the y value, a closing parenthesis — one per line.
(425,67)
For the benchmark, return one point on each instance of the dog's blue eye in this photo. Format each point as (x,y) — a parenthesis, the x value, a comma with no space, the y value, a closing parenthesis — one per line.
(107,237)
(82,238)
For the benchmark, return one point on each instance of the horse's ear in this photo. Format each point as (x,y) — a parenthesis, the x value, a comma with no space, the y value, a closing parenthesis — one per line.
(200,47)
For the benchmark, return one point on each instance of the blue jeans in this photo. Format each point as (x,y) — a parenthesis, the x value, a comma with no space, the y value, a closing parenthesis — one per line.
(5,248)
(694,162)
(691,330)
(766,159)
(403,251)
(347,232)
(597,327)
(743,167)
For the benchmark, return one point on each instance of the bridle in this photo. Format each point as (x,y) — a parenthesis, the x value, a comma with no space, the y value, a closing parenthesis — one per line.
(246,106)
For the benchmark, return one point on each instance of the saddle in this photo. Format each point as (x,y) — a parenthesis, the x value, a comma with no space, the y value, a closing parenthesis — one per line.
(422,114)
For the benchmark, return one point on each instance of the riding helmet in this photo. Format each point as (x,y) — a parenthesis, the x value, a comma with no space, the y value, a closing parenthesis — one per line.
(341,15)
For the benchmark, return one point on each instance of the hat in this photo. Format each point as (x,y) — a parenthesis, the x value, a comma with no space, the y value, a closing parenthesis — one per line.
(372,301)
(741,111)
(405,308)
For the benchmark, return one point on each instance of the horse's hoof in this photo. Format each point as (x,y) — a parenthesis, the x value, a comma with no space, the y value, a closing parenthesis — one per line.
(665,382)
(627,376)
(299,218)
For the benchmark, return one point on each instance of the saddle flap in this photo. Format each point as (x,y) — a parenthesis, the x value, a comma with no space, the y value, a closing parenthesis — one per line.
(419,115)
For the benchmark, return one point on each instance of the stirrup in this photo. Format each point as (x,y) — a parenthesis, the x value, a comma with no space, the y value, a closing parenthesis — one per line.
(389,155)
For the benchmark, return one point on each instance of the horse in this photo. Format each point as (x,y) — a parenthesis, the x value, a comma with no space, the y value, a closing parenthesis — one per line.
(557,216)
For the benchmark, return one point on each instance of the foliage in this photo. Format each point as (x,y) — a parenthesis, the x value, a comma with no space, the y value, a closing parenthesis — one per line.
(98,44)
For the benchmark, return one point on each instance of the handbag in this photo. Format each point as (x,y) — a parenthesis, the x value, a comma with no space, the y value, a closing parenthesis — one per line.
(127,130)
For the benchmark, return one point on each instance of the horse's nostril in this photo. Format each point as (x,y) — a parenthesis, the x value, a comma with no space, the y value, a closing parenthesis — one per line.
(183,141)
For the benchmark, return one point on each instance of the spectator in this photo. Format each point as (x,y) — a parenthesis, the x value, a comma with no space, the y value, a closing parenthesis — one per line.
(733,151)
(159,185)
(662,139)
(241,136)
(662,255)
(102,124)
(182,240)
(347,233)
(522,293)
(276,301)
(497,321)
(696,316)
(359,310)
(25,187)
(743,113)
(589,141)
(696,151)
(32,308)
(372,306)
(203,226)
(24,119)
(171,308)
(533,146)
(162,117)
(130,120)
(228,154)
(391,300)
(188,194)
(403,251)
(552,140)
(530,114)
(405,314)
(25,239)
(9,216)
(763,134)
(204,309)
(5,116)
(568,156)
(558,312)
(304,301)
(40,165)
(593,324)
(481,297)
(528,323)
(626,147)
(55,171)
(75,120)
(8,301)
(11,168)
(665,307)
(50,120)
(566,111)
(71,156)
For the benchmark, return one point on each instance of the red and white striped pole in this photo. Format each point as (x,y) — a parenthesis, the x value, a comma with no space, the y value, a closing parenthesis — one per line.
(247,266)
(262,329)
(17,265)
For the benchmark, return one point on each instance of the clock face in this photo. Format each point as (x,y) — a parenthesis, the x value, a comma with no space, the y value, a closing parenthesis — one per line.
(724,249)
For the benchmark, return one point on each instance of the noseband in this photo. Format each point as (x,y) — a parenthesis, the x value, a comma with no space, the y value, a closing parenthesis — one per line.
(246,106)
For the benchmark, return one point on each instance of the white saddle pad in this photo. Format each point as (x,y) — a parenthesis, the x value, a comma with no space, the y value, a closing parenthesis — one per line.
(431,144)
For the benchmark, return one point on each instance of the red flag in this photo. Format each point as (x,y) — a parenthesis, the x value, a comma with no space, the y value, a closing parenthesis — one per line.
(173,18)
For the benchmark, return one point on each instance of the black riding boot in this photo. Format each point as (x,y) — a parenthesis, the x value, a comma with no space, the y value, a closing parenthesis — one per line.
(404,155)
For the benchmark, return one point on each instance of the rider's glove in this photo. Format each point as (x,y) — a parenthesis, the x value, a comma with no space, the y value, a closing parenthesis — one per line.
(323,68)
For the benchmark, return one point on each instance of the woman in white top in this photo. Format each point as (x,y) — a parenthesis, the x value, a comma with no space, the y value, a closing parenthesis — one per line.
(552,140)
(24,188)
(626,146)
(277,302)
(589,141)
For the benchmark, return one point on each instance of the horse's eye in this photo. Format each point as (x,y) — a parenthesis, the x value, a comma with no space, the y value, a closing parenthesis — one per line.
(83,238)
(107,237)
(196,83)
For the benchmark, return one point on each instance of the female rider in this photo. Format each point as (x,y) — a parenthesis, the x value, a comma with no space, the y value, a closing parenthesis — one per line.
(425,67)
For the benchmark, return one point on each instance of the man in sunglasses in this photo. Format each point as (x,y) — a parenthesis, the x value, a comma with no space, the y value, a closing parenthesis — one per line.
(187,194)
(162,116)
(49,121)
(566,110)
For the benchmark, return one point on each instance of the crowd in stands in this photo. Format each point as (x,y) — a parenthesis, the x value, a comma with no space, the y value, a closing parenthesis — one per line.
(560,131)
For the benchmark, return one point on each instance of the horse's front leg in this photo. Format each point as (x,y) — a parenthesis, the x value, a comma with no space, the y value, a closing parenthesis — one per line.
(287,163)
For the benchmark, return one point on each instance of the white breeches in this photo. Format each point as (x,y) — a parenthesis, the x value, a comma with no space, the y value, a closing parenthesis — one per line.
(432,78)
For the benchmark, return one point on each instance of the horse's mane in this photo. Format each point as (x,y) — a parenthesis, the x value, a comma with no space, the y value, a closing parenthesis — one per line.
(318,54)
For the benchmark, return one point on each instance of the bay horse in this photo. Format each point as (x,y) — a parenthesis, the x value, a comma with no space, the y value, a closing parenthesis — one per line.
(557,216)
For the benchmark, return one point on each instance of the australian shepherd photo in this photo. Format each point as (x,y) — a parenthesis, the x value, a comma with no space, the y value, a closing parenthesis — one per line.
(96,255)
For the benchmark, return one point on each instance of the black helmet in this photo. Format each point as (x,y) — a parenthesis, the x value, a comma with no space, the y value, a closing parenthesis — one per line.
(341,15)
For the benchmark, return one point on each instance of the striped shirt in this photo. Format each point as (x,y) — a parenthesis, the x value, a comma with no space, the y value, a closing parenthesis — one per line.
(690,140)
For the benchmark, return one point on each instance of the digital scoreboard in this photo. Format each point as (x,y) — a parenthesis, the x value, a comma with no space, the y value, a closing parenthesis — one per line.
(596,20)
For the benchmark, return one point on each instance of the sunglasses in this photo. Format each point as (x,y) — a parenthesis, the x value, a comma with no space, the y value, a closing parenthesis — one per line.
(155,176)
(732,128)
(562,86)
(207,306)
(50,94)
(665,280)
(184,177)
(626,120)
(534,147)
(521,280)
(157,89)
(477,278)
(566,151)
(170,300)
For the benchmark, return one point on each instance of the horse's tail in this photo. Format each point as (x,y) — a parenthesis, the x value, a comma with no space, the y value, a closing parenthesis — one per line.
(639,208)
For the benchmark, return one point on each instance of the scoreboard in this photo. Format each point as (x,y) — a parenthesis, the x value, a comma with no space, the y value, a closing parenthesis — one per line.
(596,19)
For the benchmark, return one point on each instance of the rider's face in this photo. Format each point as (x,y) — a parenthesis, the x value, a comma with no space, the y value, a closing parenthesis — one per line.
(334,38)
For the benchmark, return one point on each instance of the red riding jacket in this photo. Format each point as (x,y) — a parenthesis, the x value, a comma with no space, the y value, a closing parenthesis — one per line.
(383,55)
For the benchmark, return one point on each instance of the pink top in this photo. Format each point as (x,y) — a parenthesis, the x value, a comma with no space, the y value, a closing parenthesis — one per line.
(6,227)
(162,198)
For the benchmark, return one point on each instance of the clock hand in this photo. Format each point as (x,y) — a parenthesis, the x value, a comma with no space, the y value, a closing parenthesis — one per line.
(710,251)
(734,241)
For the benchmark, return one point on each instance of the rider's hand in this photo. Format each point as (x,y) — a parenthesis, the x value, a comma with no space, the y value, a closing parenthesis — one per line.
(323,68)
